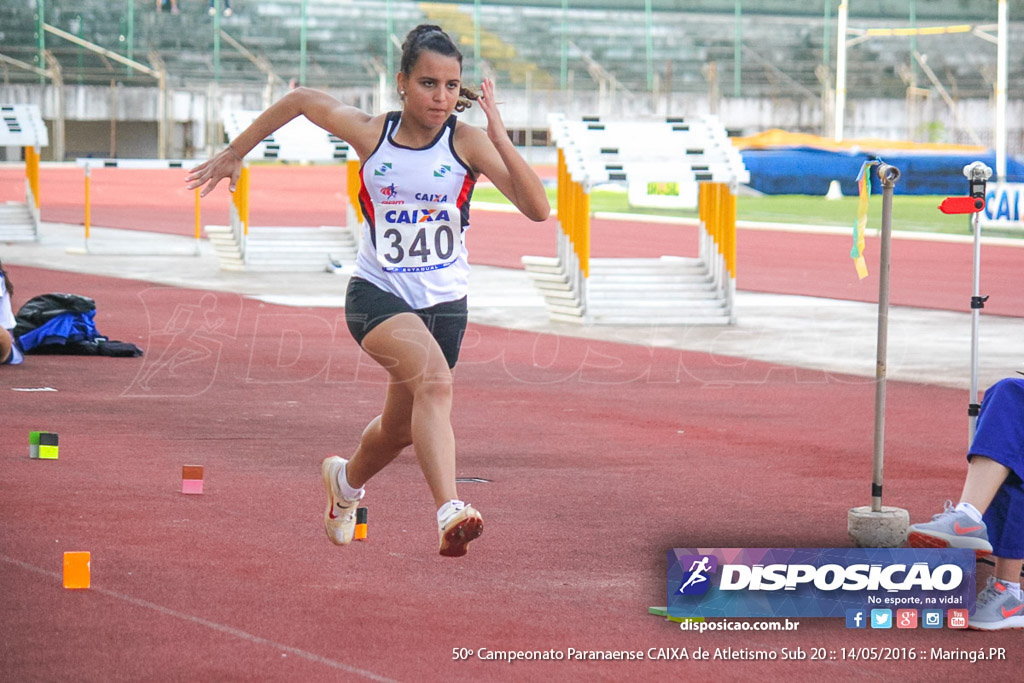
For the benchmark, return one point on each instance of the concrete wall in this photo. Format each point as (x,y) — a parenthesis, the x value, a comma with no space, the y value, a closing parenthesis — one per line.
(91,112)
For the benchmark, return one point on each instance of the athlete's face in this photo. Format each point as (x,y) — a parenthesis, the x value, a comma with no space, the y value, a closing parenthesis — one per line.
(432,89)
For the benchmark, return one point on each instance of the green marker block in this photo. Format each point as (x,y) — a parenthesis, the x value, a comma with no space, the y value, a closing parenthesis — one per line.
(663,612)
(43,445)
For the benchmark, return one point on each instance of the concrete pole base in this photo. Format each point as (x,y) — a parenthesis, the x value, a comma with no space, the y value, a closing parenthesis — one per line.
(885,529)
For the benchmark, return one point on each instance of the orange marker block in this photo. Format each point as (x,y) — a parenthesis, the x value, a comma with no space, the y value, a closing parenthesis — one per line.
(360,524)
(192,479)
(77,570)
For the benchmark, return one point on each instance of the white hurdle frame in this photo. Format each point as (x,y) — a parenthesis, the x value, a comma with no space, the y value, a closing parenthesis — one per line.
(593,152)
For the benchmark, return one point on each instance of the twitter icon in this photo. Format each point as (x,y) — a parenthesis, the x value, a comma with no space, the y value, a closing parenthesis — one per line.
(881,618)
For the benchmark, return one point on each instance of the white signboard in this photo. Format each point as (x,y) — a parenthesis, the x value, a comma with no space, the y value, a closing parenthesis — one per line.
(21,125)
(1004,206)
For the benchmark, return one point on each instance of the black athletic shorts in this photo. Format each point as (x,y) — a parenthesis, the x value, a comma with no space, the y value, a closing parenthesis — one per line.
(367,306)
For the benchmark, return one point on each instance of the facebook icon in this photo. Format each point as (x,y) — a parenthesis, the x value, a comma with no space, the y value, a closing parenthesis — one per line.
(856,618)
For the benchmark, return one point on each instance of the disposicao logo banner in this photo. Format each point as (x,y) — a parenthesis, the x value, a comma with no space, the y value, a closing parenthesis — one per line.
(816,582)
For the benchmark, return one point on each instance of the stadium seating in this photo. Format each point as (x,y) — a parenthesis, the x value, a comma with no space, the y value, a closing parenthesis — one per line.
(783,43)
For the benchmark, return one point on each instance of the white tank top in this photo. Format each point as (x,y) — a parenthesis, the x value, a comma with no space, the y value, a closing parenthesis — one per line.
(416,208)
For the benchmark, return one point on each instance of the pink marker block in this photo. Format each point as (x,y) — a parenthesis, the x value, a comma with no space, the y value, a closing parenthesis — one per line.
(192,479)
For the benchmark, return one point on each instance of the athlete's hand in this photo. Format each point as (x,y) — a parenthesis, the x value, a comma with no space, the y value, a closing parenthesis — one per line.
(209,173)
(495,126)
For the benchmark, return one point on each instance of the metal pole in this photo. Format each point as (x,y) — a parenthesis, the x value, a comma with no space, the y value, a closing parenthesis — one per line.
(390,44)
(564,69)
(826,35)
(649,40)
(976,304)
(131,31)
(1000,141)
(977,175)
(302,41)
(41,37)
(913,38)
(737,51)
(216,42)
(888,175)
(476,41)
(162,125)
(841,70)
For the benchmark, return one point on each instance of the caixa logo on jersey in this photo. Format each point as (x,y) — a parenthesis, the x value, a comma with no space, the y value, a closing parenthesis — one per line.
(815,582)
(416,215)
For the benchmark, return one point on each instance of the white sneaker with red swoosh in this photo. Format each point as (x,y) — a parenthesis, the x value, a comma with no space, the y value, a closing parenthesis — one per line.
(996,609)
(340,515)
(951,529)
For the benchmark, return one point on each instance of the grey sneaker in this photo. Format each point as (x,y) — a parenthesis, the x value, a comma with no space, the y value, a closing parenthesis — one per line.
(456,530)
(340,515)
(951,529)
(996,609)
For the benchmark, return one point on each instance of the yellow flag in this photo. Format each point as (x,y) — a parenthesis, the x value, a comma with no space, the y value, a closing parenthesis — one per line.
(864,191)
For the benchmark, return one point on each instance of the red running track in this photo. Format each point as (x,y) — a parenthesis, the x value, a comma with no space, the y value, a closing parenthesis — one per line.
(599,457)
(926,274)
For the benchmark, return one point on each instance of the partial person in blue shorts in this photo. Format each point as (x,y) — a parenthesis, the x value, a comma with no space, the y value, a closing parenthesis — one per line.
(990,515)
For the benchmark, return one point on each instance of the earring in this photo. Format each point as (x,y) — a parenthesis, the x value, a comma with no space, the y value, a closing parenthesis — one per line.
(402,93)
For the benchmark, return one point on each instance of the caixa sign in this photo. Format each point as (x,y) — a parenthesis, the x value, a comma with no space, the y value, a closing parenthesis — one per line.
(1004,206)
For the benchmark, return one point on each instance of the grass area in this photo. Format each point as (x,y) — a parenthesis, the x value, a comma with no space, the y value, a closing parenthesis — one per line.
(909,212)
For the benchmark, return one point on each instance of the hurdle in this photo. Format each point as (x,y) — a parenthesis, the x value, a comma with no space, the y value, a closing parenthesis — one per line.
(87,164)
(674,163)
(23,127)
(240,246)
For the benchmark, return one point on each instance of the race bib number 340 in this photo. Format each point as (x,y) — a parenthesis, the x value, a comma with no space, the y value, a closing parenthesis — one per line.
(418,237)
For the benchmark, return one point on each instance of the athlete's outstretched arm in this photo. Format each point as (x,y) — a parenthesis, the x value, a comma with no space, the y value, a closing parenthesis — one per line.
(348,123)
(494,155)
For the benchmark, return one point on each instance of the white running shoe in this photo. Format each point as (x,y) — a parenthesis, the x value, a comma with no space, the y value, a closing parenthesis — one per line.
(340,515)
(951,529)
(462,525)
(997,609)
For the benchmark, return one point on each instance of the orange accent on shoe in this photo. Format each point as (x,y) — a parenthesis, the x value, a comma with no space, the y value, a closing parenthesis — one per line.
(964,529)
(1007,613)
(918,540)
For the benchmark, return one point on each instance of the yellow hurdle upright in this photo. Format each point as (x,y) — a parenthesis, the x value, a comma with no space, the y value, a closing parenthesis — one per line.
(240,199)
(88,202)
(32,174)
(353,185)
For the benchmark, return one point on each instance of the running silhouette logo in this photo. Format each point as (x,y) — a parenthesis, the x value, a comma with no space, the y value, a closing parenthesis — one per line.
(697,579)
